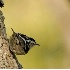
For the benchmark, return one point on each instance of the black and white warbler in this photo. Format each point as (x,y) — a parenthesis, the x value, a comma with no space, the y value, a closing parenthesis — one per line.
(20,44)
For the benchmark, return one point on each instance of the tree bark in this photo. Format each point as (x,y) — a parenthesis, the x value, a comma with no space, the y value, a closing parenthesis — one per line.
(8,59)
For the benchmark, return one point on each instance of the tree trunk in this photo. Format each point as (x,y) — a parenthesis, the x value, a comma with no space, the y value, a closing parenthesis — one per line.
(8,59)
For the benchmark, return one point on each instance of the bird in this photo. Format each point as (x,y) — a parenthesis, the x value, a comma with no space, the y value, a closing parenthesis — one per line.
(20,44)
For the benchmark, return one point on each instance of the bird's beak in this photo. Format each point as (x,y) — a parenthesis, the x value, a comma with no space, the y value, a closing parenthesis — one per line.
(37,44)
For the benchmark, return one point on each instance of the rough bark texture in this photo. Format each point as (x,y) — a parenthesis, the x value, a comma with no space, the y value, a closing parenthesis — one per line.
(8,59)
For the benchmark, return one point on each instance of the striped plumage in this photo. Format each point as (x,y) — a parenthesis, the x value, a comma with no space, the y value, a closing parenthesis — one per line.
(20,43)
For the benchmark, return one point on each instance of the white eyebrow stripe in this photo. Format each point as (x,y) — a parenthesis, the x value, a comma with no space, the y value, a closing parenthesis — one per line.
(28,40)
(23,39)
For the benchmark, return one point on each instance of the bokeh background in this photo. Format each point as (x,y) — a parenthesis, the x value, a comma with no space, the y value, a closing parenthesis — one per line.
(48,22)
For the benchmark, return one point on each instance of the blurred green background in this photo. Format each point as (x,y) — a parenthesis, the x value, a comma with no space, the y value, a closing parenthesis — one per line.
(36,19)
